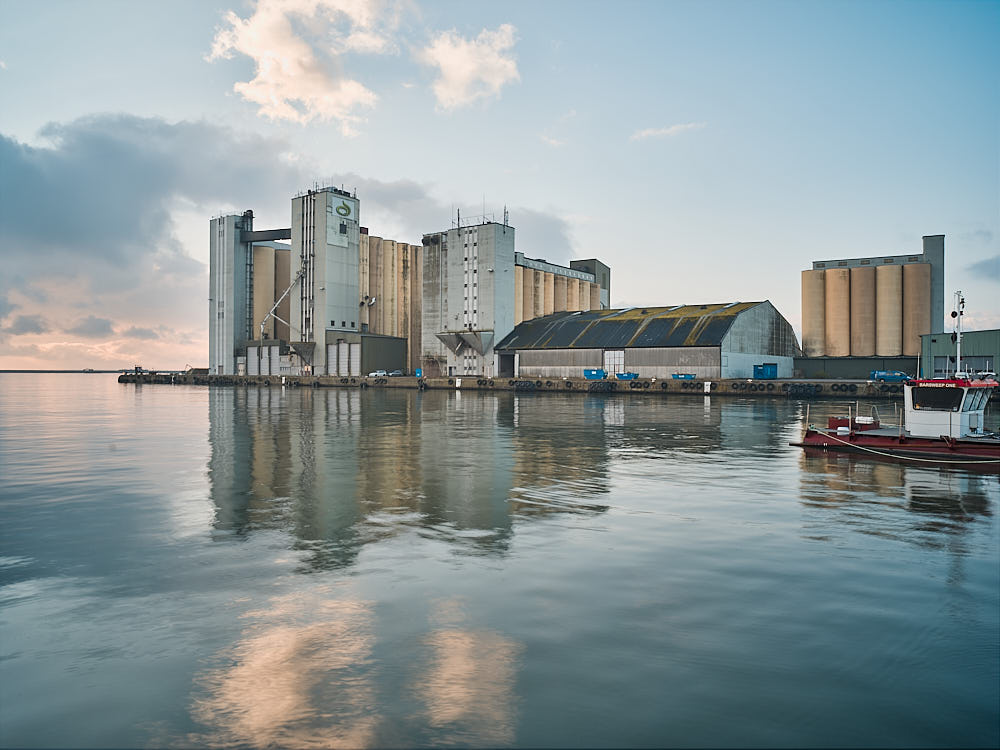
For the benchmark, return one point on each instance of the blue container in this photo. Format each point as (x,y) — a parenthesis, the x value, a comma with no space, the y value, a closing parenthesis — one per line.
(626,375)
(595,374)
(683,376)
(419,372)
(766,371)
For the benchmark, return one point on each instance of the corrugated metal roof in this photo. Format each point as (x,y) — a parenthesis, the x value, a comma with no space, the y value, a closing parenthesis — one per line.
(684,325)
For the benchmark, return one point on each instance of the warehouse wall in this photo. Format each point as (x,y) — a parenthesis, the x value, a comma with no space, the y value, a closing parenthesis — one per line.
(654,362)
(559,363)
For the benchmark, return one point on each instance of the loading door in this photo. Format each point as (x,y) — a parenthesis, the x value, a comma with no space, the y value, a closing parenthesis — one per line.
(355,359)
(614,361)
(343,360)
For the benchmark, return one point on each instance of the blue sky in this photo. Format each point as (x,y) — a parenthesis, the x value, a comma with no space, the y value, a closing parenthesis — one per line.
(707,151)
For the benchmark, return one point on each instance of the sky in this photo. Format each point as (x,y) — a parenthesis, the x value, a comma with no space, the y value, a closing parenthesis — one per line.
(706,151)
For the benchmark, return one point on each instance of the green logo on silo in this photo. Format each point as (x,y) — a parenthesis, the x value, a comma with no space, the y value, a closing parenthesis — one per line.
(343,209)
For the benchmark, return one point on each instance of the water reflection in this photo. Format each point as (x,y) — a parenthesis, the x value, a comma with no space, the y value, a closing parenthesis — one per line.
(861,493)
(467,686)
(296,678)
(339,469)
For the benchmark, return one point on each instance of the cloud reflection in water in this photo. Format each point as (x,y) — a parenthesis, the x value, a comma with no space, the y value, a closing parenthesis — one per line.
(297,678)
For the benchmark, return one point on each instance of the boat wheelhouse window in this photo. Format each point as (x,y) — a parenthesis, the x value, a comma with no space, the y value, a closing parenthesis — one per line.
(949,399)
(971,398)
(982,396)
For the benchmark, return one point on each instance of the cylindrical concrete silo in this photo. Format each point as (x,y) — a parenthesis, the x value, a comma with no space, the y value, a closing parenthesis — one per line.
(813,313)
(595,297)
(559,294)
(528,297)
(572,295)
(539,294)
(862,311)
(916,306)
(549,284)
(518,294)
(838,312)
(888,311)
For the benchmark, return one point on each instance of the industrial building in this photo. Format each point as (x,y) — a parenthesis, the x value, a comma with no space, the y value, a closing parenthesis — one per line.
(331,301)
(980,353)
(390,278)
(348,288)
(708,341)
(476,288)
(246,274)
(542,288)
(873,307)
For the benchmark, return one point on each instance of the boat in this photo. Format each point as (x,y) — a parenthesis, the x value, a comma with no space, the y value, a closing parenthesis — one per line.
(943,423)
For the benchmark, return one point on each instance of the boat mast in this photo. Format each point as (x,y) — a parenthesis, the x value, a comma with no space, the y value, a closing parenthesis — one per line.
(957,313)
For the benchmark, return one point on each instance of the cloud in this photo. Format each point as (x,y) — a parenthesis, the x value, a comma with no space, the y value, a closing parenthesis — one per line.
(110,183)
(667,132)
(139,333)
(471,69)
(120,242)
(405,210)
(542,235)
(987,269)
(554,142)
(3,65)
(106,241)
(92,327)
(297,48)
(23,324)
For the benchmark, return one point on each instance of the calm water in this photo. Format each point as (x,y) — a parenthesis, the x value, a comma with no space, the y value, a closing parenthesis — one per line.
(192,566)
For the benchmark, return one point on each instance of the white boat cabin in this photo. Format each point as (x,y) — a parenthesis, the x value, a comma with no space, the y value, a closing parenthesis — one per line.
(946,407)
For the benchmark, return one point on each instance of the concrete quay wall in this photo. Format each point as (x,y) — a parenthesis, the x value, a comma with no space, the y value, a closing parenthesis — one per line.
(743,388)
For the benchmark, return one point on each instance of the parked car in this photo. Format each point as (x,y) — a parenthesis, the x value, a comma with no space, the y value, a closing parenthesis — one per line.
(889,376)
(396,374)
(378,374)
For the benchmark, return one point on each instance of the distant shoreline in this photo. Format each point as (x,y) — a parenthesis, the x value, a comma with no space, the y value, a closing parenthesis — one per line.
(78,372)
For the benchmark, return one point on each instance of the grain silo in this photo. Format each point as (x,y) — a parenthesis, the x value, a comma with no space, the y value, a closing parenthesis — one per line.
(572,295)
(889,311)
(559,294)
(518,294)
(549,297)
(528,294)
(838,312)
(539,294)
(862,311)
(813,313)
(916,306)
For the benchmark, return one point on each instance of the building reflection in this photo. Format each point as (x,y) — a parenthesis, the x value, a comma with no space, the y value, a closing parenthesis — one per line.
(940,498)
(339,468)
(937,507)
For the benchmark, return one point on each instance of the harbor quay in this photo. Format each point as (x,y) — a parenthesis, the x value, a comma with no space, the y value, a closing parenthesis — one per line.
(733,387)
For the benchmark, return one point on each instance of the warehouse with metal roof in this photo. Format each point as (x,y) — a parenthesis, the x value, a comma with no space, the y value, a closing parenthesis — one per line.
(719,341)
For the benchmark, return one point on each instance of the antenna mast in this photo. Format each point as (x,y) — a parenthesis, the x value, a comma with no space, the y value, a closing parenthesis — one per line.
(957,314)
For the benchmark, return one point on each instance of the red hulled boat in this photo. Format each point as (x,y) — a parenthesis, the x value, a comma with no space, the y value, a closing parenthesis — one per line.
(943,424)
